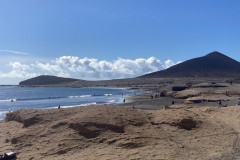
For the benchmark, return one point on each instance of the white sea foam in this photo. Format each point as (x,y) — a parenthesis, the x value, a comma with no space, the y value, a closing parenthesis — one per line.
(82,96)
(74,96)
(107,94)
(3,112)
(85,96)
(111,101)
(86,104)
(8,100)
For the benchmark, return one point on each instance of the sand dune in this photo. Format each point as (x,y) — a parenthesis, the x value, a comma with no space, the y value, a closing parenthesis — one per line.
(112,132)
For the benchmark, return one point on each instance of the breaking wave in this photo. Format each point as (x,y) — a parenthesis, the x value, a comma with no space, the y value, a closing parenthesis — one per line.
(8,100)
(45,98)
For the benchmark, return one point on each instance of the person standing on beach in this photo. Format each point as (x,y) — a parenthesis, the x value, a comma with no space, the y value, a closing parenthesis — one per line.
(124,100)
(238,102)
(220,103)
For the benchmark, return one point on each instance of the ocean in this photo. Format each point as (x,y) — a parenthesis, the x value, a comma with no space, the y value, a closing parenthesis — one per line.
(15,98)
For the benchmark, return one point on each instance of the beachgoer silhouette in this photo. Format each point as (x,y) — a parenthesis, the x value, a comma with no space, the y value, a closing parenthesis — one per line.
(173,102)
(124,100)
(58,106)
(220,103)
(238,102)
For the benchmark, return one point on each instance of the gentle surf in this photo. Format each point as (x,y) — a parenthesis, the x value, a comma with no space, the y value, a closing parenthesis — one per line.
(15,98)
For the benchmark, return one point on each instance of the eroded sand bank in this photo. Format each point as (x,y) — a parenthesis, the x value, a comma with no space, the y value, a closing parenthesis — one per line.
(112,132)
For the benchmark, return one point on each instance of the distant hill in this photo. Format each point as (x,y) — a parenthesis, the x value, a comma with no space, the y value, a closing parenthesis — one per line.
(47,80)
(214,64)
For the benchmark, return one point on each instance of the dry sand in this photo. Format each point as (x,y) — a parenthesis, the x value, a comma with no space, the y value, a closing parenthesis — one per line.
(112,132)
(181,131)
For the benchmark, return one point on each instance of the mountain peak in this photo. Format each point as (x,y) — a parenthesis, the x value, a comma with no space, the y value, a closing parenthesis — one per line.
(214,53)
(214,64)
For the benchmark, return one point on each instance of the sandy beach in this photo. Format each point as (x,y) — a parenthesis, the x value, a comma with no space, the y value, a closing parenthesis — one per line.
(119,80)
(144,128)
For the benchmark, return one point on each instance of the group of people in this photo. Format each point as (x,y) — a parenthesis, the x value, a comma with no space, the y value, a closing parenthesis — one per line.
(225,100)
(157,95)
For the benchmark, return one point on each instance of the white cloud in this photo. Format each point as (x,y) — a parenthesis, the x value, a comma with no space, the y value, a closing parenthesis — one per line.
(168,63)
(16,52)
(121,68)
(87,68)
(18,71)
(47,67)
(50,69)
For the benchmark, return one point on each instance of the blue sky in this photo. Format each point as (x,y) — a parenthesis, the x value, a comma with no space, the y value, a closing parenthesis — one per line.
(90,39)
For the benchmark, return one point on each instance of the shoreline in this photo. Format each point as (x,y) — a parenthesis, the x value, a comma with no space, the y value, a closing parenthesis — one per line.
(185,130)
(114,100)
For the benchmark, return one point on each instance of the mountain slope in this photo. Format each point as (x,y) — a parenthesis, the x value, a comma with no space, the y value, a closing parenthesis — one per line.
(214,64)
(46,80)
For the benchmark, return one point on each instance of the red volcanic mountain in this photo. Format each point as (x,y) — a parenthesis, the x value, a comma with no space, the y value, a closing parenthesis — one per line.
(214,64)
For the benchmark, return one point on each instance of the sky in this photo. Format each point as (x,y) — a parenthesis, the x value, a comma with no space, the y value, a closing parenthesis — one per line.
(111,39)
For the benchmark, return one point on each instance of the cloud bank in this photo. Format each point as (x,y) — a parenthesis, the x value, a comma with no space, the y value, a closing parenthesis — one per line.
(87,68)
(18,71)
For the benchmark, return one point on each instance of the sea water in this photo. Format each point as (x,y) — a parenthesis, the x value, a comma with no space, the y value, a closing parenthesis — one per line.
(15,98)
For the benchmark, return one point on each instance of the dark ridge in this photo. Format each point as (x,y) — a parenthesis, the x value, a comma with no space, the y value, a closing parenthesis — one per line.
(47,80)
(214,64)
